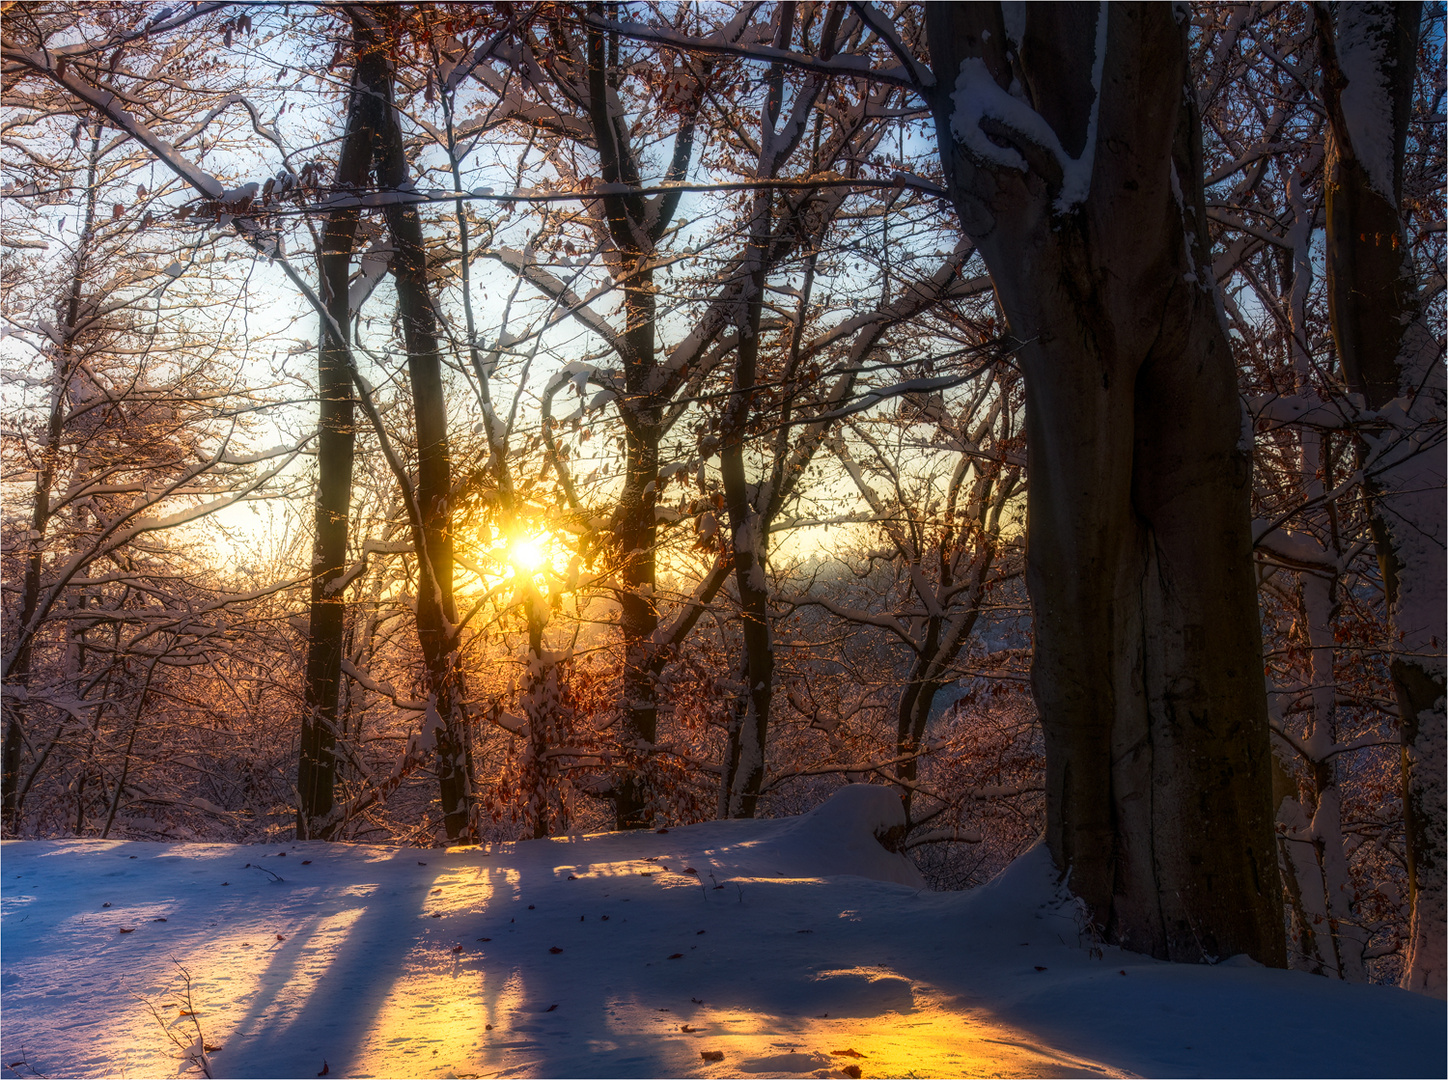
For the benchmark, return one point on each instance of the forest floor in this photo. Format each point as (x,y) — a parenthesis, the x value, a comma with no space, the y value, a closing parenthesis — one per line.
(793,947)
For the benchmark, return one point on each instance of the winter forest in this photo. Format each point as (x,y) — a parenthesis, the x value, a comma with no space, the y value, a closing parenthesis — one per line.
(450,425)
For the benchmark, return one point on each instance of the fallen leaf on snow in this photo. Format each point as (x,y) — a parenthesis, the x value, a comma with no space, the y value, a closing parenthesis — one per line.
(712,1055)
(847,1053)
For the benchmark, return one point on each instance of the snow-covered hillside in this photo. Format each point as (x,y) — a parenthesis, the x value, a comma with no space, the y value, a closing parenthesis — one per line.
(795,947)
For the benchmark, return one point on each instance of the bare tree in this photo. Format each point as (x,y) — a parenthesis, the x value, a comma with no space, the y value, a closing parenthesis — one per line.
(125,434)
(1393,359)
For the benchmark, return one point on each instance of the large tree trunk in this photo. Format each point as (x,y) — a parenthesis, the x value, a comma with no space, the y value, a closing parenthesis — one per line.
(436,607)
(1087,206)
(1390,357)
(336,439)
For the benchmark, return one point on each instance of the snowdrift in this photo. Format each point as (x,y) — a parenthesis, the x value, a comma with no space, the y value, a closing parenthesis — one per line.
(794,947)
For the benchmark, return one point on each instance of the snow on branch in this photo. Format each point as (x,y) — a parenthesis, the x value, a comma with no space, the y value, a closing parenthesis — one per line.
(381,689)
(884,29)
(980,100)
(557,290)
(165,20)
(846,64)
(106,102)
(876,395)
(547,194)
(1297,549)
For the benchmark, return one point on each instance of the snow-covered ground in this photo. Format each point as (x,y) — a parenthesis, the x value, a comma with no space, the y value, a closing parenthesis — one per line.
(795,947)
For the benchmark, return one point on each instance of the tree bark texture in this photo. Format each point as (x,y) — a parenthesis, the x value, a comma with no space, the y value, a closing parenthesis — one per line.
(436,607)
(1148,670)
(634,231)
(336,442)
(749,533)
(1390,357)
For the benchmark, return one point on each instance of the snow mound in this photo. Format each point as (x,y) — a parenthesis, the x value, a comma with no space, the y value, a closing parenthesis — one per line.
(633,954)
(861,992)
(839,837)
(846,830)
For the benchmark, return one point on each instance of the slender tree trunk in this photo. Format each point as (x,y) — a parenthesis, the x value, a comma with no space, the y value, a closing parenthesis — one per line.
(436,608)
(635,533)
(540,706)
(336,440)
(944,639)
(1147,669)
(1316,872)
(634,528)
(1389,357)
(1341,929)
(749,532)
(752,507)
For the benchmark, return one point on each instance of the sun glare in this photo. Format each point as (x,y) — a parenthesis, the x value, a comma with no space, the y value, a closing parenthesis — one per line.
(527,554)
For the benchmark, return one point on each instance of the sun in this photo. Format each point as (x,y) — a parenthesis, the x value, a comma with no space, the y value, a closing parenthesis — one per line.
(527,554)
